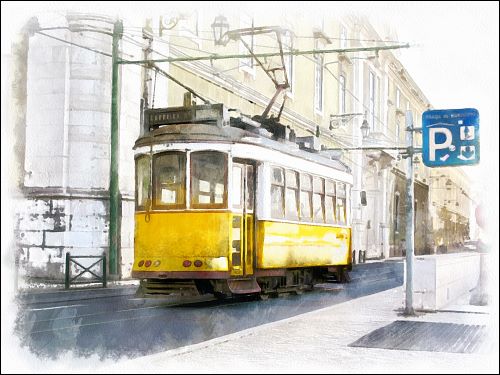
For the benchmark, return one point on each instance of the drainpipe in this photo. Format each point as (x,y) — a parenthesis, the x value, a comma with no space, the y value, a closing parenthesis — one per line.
(114,188)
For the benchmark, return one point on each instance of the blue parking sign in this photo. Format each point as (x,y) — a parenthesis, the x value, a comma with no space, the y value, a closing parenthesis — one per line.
(450,137)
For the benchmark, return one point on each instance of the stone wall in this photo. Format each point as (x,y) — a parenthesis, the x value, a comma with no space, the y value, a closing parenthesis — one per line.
(64,202)
(47,228)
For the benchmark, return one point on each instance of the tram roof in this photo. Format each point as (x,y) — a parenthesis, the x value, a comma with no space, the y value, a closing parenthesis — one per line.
(182,125)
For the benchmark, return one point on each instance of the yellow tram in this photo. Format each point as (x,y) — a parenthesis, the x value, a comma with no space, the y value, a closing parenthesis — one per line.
(230,205)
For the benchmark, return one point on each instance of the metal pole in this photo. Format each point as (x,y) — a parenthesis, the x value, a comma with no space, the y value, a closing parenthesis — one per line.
(66,272)
(114,191)
(410,220)
(104,275)
(372,148)
(270,54)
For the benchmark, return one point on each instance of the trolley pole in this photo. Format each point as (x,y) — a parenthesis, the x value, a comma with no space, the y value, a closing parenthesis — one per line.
(410,218)
(114,188)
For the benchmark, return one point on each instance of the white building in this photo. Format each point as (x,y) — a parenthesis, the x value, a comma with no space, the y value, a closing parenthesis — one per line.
(61,95)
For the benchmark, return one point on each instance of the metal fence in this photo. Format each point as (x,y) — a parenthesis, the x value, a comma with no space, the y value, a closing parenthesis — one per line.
(97,278)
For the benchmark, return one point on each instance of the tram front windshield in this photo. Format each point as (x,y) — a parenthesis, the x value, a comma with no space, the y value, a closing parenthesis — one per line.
(207,180)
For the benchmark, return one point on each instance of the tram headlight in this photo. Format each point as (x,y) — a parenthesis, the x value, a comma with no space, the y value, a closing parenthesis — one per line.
(198,263)
(156,263)
(186,263)
(141,263)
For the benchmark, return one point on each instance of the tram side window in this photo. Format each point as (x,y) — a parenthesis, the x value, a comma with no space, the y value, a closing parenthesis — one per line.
(249,188)
(305,197)
(142,181)
(208,179)
(291,195)
(277,193)
(318,200)
(169,188)
(330,202)
(236,195)
(341,203)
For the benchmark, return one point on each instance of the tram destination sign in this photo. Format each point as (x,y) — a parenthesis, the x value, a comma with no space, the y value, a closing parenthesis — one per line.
(450,137)
(218,113)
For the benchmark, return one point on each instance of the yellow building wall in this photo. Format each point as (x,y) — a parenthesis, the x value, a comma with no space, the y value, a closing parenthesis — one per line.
(301,100)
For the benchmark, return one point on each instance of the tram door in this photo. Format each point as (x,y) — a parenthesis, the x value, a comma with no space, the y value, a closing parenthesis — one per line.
(243,193)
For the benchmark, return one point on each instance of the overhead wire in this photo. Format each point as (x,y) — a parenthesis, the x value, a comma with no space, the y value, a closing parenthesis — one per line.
(137,43)
(366,108)
(345,137)
(73,44)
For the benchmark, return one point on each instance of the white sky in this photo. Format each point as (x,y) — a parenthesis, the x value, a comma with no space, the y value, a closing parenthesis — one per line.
(455,61)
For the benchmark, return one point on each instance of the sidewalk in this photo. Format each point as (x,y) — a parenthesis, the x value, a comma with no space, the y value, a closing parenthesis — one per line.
(318,342)
(57,293)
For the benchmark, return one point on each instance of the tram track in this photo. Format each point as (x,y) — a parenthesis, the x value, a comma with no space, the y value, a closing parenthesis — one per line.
(205,302)
(131,326)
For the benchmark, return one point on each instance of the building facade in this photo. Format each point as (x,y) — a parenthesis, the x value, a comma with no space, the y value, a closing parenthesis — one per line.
(63,163)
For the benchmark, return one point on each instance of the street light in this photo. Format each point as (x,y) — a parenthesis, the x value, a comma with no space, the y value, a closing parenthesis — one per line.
(220,27)
(338,120)
(365,129)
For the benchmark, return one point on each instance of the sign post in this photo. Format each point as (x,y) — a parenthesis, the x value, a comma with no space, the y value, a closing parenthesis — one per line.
(410,218)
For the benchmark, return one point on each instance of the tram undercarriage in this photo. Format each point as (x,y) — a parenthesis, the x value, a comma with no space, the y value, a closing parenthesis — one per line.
(268,284)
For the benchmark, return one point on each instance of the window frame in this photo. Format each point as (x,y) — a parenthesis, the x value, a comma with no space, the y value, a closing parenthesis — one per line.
(319,59)
(249,198)
(333,196)
(310,193)
(322,199)
(282,187)
(209,206)
(343,199)
(183,182)
(241,167)
(136,161)
(322,192)
(296,191)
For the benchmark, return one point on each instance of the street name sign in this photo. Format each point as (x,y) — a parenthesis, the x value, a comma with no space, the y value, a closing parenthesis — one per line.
(450,137)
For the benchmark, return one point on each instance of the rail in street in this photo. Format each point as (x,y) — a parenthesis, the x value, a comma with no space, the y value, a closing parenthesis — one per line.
(125,326)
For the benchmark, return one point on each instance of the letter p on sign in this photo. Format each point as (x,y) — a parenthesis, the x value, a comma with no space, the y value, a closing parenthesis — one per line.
(433,146)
